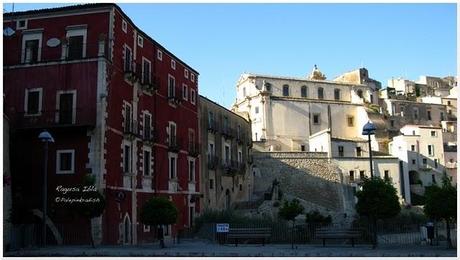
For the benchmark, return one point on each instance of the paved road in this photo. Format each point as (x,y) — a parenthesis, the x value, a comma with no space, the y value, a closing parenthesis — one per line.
(205,248)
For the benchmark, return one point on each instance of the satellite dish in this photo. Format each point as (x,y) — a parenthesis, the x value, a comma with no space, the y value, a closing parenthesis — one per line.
(8,31)
(53,42)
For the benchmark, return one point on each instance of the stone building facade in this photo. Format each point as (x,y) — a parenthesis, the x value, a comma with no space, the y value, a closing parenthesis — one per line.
(421,154)
(285,111)
(351,155)
(226,146)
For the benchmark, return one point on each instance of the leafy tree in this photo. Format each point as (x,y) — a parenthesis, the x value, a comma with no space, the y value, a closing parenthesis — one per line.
(377,200)
(441,204)
(289,211)
(159,211)
(314,217)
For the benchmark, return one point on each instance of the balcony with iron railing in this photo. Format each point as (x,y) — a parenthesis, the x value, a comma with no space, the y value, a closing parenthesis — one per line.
(149,83)
(193,149)
(230,167)
(131,130)
(213,162)
(80,117)
(173,143)
(174,98)
(148,137)
(227,132)
(241,138)
(62,53)
(212,126)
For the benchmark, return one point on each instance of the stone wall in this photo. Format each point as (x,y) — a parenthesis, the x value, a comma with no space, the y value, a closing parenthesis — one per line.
(309,177)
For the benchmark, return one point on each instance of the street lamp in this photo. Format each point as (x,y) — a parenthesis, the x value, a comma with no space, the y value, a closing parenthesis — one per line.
(369,129)
(46,138)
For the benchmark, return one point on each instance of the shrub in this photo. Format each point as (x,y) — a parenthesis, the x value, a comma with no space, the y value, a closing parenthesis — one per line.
(314,217)
(417,199)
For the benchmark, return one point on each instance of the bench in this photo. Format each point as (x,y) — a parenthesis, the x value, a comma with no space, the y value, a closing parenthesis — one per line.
(249,233)
(327,233)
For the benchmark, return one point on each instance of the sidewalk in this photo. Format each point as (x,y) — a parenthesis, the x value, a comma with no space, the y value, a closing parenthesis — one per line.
(205,248)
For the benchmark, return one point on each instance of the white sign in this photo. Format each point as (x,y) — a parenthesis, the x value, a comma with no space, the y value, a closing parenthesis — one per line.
(222,228)
(53,42)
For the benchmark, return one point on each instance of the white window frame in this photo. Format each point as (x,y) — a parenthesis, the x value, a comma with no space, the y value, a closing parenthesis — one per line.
(26,101)
(192,77)
(146,228)
(432,150)
(125,46)
(174,173)
(147,149)
(229,152)
(130,158)
(192,96)
(173,94)
(143,123)
(193,173)
(186,73)
(159,55)
(140,41)
(127,104)
(23,27)
(124,26)
(184,92)
(74,104)
(319,118)
(29,36)
(240,155)
(78,30)
(173,64)
(171,123)
(58,161)
(144,59)
(211,151)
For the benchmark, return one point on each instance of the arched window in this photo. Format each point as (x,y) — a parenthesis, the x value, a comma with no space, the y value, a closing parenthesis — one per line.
(304,91)
(286,90)
(360,93)
(320,93)
(337,94)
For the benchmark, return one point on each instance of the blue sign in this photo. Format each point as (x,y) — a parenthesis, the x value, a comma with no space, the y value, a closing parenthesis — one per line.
(222,227)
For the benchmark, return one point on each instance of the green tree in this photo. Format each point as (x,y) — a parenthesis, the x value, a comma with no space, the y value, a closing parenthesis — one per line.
(377,200)
(314,218)
(441,204)
(289,211)
(159,211)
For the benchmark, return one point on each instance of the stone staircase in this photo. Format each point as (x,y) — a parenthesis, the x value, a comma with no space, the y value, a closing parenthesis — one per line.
(309,177)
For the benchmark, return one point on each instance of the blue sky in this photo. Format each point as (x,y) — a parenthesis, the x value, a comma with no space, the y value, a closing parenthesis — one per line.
(221,41)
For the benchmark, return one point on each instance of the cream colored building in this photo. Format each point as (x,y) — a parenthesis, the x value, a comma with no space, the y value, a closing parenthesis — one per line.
(285,111)
(421,154)
(351,155)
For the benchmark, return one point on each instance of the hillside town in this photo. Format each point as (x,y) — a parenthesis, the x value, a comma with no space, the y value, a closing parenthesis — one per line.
(88,93)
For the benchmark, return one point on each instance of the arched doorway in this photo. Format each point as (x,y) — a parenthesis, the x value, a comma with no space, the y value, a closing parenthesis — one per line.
(126,230)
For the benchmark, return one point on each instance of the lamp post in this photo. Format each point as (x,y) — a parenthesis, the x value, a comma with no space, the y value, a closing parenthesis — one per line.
(46,138)
(369,129)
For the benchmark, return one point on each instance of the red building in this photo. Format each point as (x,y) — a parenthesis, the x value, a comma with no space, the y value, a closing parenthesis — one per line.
(120,107)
